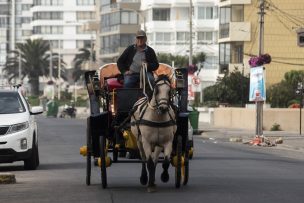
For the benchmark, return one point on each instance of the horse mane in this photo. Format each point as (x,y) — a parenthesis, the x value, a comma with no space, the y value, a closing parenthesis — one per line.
(162,77)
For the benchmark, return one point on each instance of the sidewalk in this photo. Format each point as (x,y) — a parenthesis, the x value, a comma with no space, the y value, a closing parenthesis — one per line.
(291,140)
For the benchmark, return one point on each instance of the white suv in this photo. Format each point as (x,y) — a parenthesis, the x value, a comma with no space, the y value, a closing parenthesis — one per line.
(18,130)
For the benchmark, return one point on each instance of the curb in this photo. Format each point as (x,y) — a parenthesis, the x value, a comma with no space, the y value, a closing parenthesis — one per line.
(7,178)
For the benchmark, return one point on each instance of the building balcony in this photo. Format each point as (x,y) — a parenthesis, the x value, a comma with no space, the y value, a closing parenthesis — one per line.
(233,2)
(235,31)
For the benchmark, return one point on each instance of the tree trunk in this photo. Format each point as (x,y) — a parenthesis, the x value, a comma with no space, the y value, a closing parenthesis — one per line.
(34,82)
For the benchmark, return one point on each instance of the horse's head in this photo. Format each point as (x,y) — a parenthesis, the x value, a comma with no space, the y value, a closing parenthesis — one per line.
(161,93)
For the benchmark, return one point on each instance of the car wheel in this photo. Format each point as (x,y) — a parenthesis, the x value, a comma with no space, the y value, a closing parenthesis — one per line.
(33,161)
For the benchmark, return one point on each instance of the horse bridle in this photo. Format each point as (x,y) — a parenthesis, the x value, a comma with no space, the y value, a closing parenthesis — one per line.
(160,101)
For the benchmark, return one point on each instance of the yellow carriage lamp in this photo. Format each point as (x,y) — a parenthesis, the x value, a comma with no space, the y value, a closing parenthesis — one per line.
(84,150)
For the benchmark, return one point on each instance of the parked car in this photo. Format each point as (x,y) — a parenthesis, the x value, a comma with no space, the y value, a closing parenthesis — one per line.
(18,129)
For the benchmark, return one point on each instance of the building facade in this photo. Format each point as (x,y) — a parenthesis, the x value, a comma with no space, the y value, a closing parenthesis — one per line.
(62,24)
(239,36)
(15,19)
(119,21)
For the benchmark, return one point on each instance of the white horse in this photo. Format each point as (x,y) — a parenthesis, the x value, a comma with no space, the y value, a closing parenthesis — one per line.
(154,125)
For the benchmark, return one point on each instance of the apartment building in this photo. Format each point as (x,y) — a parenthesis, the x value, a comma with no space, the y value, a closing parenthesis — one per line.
(62,24)
(119,21)
(15,18)
(239,36)
(168,27)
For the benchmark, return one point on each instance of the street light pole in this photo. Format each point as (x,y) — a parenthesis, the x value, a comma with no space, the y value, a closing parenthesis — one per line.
(190,37)
(51,62)
(259,104)
(59,68)
(19,66)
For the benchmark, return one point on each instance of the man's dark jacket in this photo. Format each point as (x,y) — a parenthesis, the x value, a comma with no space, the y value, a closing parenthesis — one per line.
(125,60)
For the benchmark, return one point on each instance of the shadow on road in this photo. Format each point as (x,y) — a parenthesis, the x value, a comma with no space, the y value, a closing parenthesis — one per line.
(62,166)
(11,168)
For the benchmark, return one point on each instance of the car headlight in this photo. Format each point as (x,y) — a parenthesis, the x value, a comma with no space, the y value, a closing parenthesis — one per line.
(18,127)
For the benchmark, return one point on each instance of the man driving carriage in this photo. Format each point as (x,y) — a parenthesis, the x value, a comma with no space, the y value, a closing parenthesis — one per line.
(131,61)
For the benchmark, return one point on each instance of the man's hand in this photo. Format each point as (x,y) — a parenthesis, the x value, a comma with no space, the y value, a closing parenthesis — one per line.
(127,72)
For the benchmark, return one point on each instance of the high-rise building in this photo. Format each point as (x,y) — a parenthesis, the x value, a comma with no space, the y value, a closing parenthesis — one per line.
(168,27)
(119,21)
(61,23)
(15,18)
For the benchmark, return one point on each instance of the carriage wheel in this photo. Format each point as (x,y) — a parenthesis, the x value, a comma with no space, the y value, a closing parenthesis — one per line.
(103,161)
(89,154)
(115,150)
(186,170)
(178,168)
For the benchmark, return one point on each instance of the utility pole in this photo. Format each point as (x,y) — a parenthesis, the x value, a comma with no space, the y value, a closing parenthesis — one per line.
(13,25)
(259,104)
(51,62)
(190,37)
(59,68)
(19,66)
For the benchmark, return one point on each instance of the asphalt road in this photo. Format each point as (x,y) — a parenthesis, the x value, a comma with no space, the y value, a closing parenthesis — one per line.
(219,172)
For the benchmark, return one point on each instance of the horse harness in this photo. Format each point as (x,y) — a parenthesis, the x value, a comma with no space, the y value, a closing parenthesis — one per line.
(143,104)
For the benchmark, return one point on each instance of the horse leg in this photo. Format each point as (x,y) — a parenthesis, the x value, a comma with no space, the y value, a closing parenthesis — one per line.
(167,152)
(151,166)
(144,174)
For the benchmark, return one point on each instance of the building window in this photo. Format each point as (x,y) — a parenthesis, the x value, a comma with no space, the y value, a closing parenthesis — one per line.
(237,52)
(208,12)
(225,53)
(110,22)
(128,17)
(237,13)
(161,14)
(3,22)
(85,15)
(110,44)
(48,16)
(26,33)
(205,37)
(163,38)
(182,37)
(83,43)
(48,30)
(85,2)
(48,2)
(4,9)
(126,39)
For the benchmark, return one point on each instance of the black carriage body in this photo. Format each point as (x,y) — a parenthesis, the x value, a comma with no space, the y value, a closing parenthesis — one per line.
(125,99)
(98,125)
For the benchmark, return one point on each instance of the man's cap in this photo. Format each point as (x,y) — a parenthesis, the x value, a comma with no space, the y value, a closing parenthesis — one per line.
(141,33)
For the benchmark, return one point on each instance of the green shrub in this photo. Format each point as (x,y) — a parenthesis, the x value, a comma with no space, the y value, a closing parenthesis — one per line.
(276,127)
(33,100)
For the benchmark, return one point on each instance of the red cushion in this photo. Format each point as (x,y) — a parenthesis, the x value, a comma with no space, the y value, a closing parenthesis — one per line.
(112,83)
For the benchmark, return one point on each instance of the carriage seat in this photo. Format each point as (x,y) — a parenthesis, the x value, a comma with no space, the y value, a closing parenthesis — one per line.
(108,76)
(113,83)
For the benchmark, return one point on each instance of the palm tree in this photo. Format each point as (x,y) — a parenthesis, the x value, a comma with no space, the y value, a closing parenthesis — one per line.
(82,57)
(34,62)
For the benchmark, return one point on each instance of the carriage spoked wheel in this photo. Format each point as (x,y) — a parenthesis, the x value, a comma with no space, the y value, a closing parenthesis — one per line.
(115,148)
(178,168)
(185,169)
(89,155)
(103,155)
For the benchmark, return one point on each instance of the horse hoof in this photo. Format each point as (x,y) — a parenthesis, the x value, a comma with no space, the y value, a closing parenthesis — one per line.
(143,180)
(164,177)
(152,189)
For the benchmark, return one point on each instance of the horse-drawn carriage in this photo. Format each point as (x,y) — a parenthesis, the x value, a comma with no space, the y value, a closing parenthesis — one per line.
(119,123)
